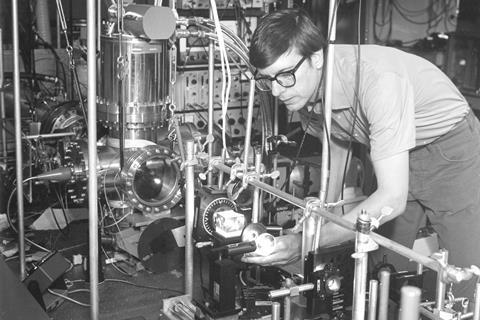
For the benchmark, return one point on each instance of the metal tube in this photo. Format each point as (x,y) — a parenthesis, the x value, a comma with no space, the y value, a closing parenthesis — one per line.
(2,100)
(476,306)
(327,109)
(308,231)
(384,295)
(282,292)
(287,307)
(276,311)
(372,299)
(248,131)
(406,252)
(48,135)
(359,285)
(189,216)
(58,30)
(409,303)
(18,138)
(287,300)
(92,158)
(441,286)
(211,82)
(256,191)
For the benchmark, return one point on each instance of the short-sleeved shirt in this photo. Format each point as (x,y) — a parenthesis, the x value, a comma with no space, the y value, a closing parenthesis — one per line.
(404,101)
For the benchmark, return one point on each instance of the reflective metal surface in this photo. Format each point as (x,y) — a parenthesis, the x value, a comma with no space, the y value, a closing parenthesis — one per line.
(145,73)
(152,179)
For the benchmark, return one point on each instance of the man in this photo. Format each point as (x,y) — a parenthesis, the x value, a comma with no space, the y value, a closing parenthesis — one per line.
(423,139)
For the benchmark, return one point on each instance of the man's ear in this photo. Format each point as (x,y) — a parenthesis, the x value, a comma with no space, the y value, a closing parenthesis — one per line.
(317,59)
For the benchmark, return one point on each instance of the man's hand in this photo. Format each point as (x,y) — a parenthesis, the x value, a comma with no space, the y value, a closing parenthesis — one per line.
(287,250)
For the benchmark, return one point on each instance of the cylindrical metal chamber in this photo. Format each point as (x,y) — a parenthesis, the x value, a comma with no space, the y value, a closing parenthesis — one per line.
(150,181)
(134,74)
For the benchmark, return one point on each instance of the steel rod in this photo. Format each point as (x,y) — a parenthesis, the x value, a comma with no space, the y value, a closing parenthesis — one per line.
(48,135)
(384,295)
(372,299)
(276,310)
(92,158)
(211,83)
(256,192)
(2,99)
(189,215)
(248,130)
(476,307)
(282,292)
(18,139)
(409,303)
(441,285)
(359,285)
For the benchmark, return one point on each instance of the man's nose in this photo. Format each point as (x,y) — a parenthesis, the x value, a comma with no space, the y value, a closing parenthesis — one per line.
(276,88)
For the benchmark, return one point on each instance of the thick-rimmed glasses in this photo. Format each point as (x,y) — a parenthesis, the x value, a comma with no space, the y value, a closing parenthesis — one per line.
(286,79)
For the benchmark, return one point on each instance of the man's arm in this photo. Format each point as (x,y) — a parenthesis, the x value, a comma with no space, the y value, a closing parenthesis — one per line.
(391,194)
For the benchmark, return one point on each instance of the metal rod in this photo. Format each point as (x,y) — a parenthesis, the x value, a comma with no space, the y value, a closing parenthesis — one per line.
(359,285)
(409,303)
(58,30)
(276,310)
(384,295)
(189,216)
(287,307)
(282,292)
(287,301)
(2,100)
(48,135)
(442,256)
(211,87)
(248,131)
(327,108)
(406,252)
(372,299)
(92,159)
(256,192)
(476,306)
(18,138)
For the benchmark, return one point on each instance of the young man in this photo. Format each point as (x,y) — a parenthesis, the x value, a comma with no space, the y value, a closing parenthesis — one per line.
(423,139)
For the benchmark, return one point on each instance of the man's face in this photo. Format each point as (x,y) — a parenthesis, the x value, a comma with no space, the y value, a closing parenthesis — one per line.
(307,80)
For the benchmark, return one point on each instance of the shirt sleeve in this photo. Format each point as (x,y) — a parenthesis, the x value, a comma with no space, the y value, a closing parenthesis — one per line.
(388,101)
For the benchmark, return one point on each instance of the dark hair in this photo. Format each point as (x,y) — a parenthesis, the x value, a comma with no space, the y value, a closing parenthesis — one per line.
(281,31)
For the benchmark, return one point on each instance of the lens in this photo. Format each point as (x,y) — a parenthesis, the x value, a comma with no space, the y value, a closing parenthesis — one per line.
(264,84)
(286,79)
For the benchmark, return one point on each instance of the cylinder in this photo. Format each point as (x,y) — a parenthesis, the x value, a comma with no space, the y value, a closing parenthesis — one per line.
(276,311)
(372,300)
(476,307)
(144,69)
(409,303)
(359,285)
(43,21)
(384,295)
(189,216)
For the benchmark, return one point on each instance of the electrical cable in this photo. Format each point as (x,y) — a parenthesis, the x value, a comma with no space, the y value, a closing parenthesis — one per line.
(11,223)
(115,266)
(68,298)
(142,286)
